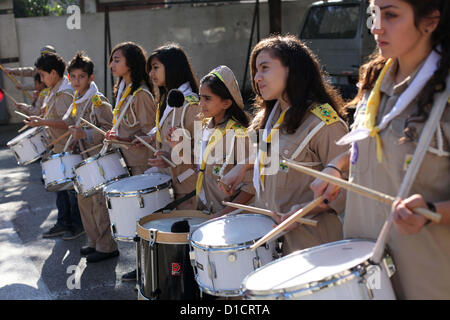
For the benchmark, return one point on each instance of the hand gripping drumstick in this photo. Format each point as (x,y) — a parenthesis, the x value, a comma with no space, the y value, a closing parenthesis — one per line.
(381,197)
(104,133)
(15,81)
(286,223)
(266,212)
(173,165)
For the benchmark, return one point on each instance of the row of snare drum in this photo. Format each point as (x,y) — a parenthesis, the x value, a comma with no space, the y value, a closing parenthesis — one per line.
(181,253)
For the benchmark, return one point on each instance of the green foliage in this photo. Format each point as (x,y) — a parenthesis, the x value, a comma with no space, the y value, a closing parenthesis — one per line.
(36,8)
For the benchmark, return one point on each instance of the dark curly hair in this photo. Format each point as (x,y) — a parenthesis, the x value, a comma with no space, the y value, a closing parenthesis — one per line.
(81,61)
(305,86)
(135,59)
(51,61)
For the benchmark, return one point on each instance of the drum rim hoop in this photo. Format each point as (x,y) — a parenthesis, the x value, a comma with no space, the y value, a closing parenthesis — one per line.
(100,187)
(59,155)
(306,288)
(134,193)
(162,235)
(57,182)
(95,157)
(242,245)
(29,135)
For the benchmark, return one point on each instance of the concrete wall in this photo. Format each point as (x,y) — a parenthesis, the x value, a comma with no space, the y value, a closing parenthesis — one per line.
(211,35)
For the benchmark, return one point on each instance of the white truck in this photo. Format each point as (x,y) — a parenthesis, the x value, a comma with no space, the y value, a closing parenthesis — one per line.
(337,32)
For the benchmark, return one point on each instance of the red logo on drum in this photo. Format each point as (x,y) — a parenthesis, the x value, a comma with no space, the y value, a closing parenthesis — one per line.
(175,268)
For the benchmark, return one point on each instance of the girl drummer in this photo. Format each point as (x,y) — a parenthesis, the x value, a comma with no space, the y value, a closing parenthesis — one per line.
(293,96)
(135,109)
(413,47)
(225,124)
(169,68)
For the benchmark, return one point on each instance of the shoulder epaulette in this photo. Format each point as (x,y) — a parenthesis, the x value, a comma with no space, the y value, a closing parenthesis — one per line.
(96,100)
(192,99)
(239,130)
(325,113)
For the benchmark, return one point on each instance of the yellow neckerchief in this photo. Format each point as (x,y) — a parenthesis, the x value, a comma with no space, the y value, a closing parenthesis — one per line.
(74,109)
(119,105)
(263,154)
(373,104)
(213,140)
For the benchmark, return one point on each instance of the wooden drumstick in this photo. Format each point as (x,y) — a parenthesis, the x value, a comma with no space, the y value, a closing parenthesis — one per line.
(286,223)
(92,148)
(23,128)
(173,165)
(364,191)
(21,114)
(93,126)
(8,96)
(15,81)
(124,144)
(269,213)
(59,138)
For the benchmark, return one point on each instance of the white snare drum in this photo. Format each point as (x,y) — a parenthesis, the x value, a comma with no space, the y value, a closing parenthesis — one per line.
(221,253)
(30,145)
(337,270)
(132,198)
(96,172)
(57,171)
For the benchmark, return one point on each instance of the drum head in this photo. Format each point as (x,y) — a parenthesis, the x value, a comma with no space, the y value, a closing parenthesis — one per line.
(168,224)
(310,265)
(137,183)
(27,133)
(232,230)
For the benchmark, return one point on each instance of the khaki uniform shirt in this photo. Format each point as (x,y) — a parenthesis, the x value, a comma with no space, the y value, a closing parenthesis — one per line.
(100,116)
(213,195)
(182,170)
(289,187)
(58,105)
(138,120)
(422,260)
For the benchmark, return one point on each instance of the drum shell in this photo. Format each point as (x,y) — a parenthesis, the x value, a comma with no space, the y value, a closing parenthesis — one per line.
(57,171)
(163,264)
(88,175)
(126,209)
(165,272)
(220,269)
(31,146)
(356,283)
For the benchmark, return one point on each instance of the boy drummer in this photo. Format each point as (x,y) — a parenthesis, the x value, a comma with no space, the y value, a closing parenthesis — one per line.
(90,104)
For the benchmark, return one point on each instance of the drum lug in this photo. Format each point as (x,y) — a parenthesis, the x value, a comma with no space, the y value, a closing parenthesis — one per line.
(389,265)
(113,230)
(171,193)
(108,203)
(364,284)
(152,236)
(141,201)
(256,263)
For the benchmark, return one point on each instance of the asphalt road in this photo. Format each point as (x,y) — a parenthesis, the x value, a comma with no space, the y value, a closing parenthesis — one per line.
(32,267)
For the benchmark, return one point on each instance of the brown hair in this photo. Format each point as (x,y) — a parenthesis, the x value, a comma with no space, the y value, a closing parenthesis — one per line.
(439,38)
(305,86)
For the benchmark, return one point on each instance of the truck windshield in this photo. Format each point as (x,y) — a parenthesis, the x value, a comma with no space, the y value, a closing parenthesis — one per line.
(331,22)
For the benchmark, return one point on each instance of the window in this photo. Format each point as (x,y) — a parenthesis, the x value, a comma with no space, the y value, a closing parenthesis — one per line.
(331,22)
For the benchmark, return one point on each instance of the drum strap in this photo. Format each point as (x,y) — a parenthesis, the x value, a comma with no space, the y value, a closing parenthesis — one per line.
(177,202)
